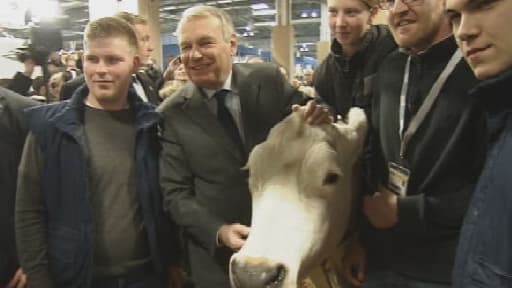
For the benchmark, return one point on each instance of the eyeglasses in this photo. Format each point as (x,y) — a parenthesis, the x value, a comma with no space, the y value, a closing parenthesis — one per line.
(388,4)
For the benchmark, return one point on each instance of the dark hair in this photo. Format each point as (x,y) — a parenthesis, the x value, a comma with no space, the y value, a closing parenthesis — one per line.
(37,83)
(24,56)
(132,19)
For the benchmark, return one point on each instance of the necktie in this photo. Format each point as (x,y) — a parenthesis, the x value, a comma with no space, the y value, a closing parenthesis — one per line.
(227,120)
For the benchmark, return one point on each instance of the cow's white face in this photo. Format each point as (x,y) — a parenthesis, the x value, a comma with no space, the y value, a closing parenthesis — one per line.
(300,180)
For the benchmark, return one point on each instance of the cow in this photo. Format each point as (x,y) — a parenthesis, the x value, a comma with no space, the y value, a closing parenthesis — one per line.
(301,183)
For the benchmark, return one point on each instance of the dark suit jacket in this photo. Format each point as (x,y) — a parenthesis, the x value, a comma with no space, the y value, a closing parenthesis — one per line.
(202,182)
(70,87)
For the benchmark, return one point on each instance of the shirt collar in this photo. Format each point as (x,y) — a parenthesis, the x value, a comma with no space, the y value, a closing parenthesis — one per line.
(227,86)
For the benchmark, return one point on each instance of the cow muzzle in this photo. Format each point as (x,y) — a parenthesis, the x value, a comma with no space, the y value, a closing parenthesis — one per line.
(256,272)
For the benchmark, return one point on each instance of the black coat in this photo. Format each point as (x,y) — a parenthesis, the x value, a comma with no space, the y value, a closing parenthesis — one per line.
(20,84)
(444,157)
(13,130)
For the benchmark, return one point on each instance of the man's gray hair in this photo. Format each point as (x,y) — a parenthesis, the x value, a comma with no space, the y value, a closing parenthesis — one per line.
(204,11)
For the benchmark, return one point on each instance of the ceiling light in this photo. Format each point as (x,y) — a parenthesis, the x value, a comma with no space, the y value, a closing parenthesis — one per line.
(270,23)
(167,8)
(264,12)
(224,1)
(259,6)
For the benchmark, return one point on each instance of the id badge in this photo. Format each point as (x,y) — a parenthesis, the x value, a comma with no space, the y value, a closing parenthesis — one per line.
(398,179)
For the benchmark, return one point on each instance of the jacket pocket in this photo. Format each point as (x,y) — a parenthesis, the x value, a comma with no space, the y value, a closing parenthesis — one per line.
(63,244)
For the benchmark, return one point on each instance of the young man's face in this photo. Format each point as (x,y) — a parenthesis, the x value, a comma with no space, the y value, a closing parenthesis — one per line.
(348,21)
(205,53)
(108,67)
(415,25)
(482,31)
(144,39)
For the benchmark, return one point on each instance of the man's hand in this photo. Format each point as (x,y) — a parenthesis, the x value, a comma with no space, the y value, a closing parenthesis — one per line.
(354,264)
(381,209)
(314,113)
(19,280)
(295,83)
(29,67)
(233,235)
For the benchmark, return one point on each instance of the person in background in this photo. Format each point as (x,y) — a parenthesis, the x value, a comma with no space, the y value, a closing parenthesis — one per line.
(54,86)
(484,254)
(39,89)
(307,77)
(54,64)
(208,129)
(175,78)
(22,81)
(70,63)
(255,59)
(148,71)
(88,205)
(13,131)
(426,155)
(344,78)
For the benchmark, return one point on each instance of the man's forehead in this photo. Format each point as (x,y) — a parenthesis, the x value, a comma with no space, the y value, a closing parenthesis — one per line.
(196,38)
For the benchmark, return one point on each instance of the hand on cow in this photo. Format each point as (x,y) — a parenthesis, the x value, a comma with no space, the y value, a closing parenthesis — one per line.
(19,280)
(314,113)
(233,235)
(354,264)
(381,209)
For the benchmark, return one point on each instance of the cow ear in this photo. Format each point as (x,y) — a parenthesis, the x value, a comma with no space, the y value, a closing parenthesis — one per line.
(353,132)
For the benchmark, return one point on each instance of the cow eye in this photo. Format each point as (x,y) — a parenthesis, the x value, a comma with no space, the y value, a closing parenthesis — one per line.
(331,178)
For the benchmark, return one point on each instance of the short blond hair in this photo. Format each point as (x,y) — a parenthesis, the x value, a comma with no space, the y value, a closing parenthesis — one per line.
(132,19)
(371,3)
(205,11)
(108,27)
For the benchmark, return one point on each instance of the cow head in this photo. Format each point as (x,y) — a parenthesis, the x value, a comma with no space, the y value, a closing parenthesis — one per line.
(301,186)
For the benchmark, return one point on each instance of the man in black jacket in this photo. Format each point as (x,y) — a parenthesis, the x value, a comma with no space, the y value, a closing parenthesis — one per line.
(426,157)
(13,130)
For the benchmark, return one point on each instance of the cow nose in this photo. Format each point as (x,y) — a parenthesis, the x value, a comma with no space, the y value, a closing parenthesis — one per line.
(257,272)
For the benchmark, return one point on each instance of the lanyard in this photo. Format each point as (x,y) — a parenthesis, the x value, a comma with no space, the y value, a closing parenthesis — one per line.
(425,108)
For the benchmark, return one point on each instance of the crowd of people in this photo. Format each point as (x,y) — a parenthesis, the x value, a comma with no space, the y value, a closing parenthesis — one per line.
(130,177)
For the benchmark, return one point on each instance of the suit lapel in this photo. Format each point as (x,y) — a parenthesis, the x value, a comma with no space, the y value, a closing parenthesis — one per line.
(198,112)
(249,92)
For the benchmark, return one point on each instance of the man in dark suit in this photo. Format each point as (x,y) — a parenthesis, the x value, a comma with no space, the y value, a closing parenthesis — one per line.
(209,128)
(146,88)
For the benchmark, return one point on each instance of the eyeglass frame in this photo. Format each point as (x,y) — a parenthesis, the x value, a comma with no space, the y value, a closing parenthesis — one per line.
(387,6)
